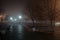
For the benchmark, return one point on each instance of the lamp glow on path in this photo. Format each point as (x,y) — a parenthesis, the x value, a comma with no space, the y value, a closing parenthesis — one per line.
(15,20)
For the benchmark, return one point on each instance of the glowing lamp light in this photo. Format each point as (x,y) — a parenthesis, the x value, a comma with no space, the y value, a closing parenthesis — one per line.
(0,16)
(57,23)
(11,18)
(20,17)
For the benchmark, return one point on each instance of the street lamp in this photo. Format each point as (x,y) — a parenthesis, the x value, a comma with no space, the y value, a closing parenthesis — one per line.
(11,18)
(20,17)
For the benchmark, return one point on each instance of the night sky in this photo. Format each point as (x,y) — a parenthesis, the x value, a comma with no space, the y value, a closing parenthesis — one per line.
(12,7)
